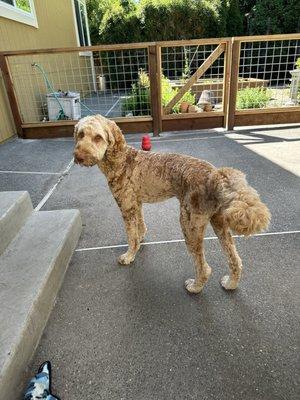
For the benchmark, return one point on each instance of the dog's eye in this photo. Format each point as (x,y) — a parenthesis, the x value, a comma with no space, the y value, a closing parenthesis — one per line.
(98,138)
(80,135)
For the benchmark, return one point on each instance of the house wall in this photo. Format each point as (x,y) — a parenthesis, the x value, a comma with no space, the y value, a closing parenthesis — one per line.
(56,28)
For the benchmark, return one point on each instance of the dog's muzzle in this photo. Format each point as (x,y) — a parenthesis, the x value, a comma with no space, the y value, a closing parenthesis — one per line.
(84,160)
(78,160)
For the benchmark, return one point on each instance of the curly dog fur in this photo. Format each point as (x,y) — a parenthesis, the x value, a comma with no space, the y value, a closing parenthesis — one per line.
(205,193)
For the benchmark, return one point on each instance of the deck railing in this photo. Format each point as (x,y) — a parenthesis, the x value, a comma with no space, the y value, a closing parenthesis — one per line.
(156,86)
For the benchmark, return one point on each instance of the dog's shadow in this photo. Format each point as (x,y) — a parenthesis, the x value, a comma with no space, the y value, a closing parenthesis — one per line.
(155,290)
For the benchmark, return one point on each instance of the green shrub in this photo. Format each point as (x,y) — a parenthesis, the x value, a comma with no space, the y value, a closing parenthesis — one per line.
(181,19)
(95,12)
(273,17)
(234,19)
(120,26)
(253,98)
(139,103)
(125,21)
(168,92)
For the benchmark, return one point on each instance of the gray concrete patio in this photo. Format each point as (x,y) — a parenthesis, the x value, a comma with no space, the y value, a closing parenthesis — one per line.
(133,332)
(107,103)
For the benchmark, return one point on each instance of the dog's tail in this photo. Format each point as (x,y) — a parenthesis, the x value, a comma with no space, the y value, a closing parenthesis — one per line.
(240,204)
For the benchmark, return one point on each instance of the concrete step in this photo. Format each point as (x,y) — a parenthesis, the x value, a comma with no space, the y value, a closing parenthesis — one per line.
(31,271)
(15,208)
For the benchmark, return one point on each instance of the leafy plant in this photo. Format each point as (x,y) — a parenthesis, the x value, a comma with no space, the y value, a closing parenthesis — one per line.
(253,98)
(271,17)
(139,102)
(168,92)
(119,21)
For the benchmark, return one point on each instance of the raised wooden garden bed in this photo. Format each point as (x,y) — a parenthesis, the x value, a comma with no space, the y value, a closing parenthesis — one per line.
(216,86)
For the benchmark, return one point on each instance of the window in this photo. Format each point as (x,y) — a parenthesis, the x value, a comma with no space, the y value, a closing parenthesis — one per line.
(19,10)
(83,35)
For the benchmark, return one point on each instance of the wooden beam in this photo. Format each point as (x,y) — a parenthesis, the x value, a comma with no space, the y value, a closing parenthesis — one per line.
(104,47)
(66,128)
(192,115)
(172,43)
(268,110)
(263,38)
(269,118)
(154,57)
(73,122)
(188,123)
(233,84)
(136,126)
(200,71)
(11,94)
(192,42)
(108,47)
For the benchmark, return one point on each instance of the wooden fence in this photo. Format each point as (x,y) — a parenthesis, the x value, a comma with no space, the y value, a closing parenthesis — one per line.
(226,66)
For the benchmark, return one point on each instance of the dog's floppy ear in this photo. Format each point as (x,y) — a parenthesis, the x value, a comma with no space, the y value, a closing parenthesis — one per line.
(115,137)
(76,130)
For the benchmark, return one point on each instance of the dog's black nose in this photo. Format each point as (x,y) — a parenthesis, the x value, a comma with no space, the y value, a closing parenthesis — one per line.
(78,160)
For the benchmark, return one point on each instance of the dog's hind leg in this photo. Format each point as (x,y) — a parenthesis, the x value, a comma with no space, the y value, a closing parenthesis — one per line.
(193,228)
(231,281)
(131,220)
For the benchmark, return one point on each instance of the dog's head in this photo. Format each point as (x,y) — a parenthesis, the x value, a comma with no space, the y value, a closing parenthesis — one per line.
(96,137)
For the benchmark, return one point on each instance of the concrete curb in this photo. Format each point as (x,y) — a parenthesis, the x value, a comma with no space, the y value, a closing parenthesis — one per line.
(30,277)
(15,208)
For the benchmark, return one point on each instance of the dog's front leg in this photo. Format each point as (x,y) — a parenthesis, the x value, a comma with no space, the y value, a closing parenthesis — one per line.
(131,221)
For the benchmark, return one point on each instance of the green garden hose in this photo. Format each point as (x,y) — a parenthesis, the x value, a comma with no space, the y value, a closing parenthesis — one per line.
(61,114)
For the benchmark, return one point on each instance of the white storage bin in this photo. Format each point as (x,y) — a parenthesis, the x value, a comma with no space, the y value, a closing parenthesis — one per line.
(70,102)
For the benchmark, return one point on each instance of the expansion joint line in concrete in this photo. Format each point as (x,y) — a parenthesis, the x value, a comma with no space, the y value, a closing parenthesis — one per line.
(117,246)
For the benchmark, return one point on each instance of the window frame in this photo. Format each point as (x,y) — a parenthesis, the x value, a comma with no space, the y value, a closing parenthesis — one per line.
(16,14)
(82,53)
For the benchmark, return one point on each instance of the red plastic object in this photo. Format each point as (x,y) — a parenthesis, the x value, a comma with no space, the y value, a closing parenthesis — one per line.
(146,143)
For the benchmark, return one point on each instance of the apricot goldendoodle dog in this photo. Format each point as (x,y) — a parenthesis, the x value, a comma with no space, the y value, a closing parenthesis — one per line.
(206,194)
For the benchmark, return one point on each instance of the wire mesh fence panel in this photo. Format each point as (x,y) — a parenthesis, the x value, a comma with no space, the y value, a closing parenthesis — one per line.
(179,64)
(268,77)
(68,86)
(123,83)
(115,82)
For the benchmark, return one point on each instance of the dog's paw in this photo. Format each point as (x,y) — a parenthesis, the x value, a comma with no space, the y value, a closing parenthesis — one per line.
(125,259)
(228,284)
(192,287)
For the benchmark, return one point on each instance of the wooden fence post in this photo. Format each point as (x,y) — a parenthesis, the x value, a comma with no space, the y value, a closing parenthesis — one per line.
(11,94)
(226,80)
(154,57)
(230,102)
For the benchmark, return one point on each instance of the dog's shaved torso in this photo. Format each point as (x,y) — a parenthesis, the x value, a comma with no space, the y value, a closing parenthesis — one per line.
(159,176)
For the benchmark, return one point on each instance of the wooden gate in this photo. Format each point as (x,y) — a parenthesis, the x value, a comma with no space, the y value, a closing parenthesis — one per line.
(206,65)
